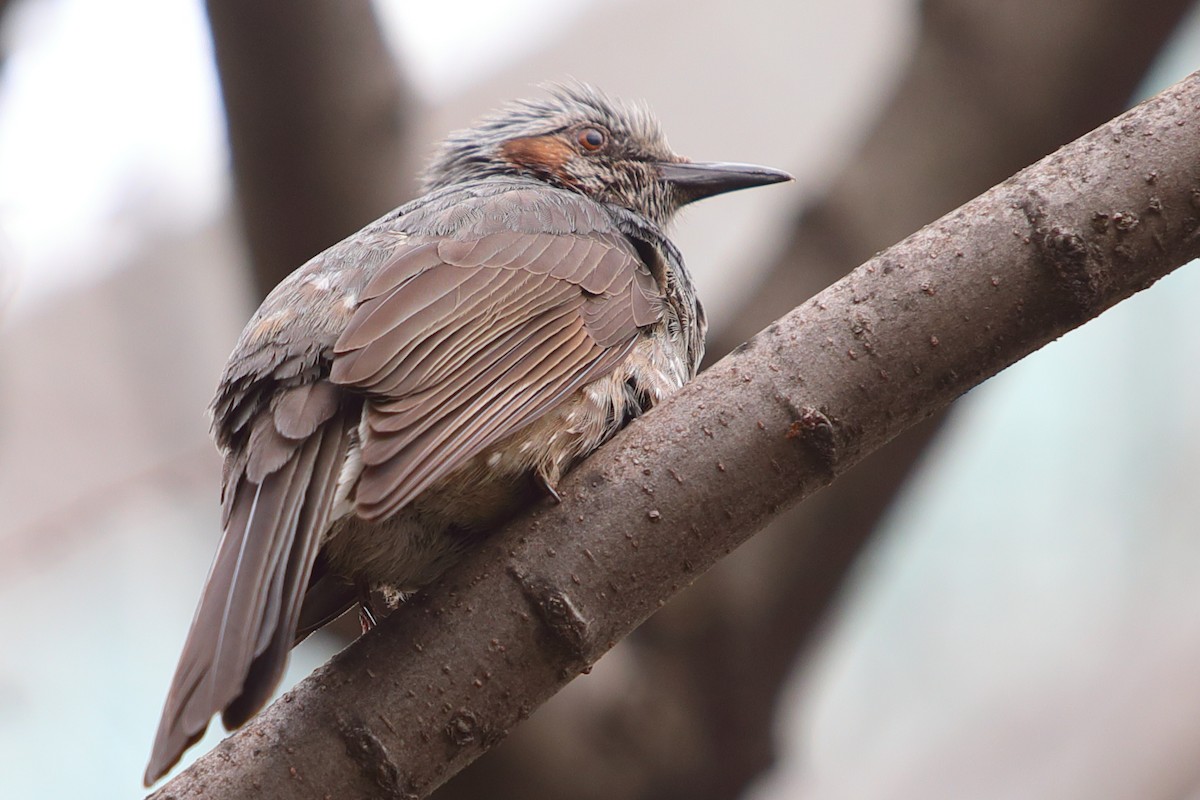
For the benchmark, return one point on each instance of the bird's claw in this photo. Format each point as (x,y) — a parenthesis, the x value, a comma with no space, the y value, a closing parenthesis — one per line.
(551,488)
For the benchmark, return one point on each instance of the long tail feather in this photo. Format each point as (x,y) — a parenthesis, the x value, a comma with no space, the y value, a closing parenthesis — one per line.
(238,645)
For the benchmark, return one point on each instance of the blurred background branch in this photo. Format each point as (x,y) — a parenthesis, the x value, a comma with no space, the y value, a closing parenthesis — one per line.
(319,119)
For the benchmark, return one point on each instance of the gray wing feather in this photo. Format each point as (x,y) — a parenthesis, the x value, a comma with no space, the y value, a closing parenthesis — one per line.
(455,356)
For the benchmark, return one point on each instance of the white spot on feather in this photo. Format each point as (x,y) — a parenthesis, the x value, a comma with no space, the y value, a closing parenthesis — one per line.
(319,282)
(351,470)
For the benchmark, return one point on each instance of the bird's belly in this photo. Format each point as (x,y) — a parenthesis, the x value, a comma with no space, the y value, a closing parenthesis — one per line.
(411,548)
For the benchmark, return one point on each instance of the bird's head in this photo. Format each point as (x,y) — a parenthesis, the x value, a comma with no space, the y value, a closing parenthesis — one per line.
(581,140)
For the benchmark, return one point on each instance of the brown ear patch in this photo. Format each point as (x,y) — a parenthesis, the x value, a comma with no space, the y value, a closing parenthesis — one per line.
(546,155)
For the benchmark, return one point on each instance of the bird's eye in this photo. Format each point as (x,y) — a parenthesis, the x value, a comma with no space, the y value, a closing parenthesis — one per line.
(592,139)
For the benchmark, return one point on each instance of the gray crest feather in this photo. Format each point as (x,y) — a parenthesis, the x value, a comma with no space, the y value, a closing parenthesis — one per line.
(470,153)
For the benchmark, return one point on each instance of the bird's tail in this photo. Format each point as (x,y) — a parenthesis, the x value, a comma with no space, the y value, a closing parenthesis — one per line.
(238,645)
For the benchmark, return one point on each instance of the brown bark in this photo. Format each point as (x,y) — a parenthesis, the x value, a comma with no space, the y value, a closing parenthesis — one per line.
(318,116)
(899,338)
(991,88)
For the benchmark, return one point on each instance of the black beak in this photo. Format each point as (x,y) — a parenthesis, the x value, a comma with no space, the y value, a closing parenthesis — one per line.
(696,180)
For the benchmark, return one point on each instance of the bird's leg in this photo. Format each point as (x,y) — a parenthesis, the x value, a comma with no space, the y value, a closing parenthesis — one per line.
(366,613)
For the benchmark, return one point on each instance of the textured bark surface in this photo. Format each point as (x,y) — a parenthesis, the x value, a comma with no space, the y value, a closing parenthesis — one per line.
(687,710)
(992,87)
(899,338)
(318,115)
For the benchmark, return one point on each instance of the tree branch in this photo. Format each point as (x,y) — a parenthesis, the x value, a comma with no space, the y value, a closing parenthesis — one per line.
(899,338)
(318,116)
(685,709)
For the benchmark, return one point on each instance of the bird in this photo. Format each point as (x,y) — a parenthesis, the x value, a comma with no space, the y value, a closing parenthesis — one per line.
(409,389)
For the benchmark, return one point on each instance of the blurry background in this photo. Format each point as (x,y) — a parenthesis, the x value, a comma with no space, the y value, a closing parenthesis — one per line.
(1003,604)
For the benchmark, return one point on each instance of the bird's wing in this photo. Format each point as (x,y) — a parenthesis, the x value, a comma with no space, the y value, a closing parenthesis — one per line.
(502,327)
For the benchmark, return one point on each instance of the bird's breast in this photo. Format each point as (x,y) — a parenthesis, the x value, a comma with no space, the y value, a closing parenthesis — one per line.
(654,369)
(408,550)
